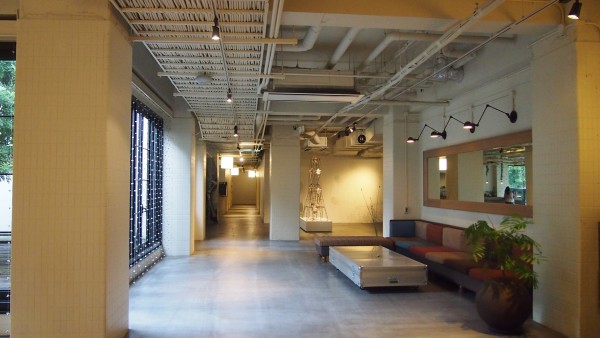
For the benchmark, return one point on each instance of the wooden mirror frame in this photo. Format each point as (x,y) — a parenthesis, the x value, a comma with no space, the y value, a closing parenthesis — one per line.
(491,208)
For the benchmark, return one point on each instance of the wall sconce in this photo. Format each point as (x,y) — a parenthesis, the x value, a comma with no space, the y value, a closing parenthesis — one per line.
(235,171)
(251,173)
(226,162)
(512,117)
(434,134)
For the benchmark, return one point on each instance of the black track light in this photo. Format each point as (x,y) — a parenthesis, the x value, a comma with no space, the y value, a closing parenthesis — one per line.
(235,131)
(575,11)
(353,127)
(216,34)
(512,117)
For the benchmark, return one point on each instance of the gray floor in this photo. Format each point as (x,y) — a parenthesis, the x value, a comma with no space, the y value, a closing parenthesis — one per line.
(240,284)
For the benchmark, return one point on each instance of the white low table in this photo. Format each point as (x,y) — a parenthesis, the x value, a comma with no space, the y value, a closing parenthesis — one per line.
(376,266)
(318,224)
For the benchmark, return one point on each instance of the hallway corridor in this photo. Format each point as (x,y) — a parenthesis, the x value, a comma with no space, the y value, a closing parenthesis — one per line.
(240,284)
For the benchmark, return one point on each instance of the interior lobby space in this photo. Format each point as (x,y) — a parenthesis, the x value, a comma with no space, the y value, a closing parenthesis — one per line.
(238,283)
(168,168)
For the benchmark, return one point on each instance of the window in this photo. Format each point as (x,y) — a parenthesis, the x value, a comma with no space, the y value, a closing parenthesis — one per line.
(145,221)
(7,105)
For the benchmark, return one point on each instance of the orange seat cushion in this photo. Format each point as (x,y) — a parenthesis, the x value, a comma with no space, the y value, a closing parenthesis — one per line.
(423,250)
(485,274)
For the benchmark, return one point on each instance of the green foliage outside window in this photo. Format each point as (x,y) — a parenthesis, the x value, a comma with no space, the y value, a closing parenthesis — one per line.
(516,176)
(7,109)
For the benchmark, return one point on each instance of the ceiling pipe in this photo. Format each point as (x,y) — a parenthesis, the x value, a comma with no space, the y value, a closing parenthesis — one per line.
(307,43)
(273,32)
(478,47)
(397,36)
(448,37)
(342,47)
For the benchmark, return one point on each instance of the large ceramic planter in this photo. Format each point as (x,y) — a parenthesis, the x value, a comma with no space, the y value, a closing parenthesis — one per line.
(504,305)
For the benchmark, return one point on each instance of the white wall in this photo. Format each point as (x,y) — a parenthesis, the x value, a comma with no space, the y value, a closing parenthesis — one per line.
(468,104)
(557,97)
(345,180)
(243,189)
(179,144)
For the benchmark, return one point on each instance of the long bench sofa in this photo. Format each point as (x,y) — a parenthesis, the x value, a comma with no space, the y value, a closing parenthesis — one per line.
(443,248)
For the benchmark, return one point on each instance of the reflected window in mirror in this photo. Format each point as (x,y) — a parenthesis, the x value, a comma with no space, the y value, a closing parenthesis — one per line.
(474,176)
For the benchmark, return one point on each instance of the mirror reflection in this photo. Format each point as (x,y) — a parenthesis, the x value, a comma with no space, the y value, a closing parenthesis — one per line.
(496,175)
(492,175)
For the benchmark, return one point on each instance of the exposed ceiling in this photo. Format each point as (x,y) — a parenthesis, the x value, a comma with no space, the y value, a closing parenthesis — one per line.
(318,65)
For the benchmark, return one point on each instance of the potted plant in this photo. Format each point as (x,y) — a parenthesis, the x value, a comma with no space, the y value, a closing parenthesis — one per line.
(504,302)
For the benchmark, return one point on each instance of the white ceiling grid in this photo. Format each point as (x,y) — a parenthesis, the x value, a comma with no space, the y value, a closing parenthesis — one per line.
(183,61)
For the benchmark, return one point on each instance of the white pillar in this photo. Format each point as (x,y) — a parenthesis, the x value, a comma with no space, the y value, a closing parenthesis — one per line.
(71,172)
(200,193)
(266,187)
(178,218)
(395,180)
(285,184)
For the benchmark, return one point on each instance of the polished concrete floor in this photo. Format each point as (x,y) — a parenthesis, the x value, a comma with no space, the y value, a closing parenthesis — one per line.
(240,284)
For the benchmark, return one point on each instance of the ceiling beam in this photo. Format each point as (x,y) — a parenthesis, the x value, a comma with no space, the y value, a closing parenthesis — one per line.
(231,74)
(207,41)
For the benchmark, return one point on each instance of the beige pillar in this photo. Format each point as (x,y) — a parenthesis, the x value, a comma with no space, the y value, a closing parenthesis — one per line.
(71,171)
(566,159)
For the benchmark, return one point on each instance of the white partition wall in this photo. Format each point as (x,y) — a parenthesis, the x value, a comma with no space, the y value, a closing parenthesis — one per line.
(178,215)
(285,184)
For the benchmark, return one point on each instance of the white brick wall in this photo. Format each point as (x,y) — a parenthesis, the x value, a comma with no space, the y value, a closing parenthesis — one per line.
(177,187)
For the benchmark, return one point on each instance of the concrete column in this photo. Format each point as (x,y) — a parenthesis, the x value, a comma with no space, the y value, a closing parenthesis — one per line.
(178,187)
(285,184)
(395,177)
(200,195)
(266,187)
(71,171)
(565,160)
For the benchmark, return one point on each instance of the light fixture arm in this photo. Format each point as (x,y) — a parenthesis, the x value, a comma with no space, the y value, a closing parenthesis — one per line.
(512,116)
(437,133)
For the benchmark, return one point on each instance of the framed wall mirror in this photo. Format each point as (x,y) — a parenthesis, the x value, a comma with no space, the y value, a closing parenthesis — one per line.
(474,176)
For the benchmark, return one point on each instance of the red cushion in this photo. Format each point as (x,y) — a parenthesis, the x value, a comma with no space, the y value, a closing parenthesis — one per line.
(422,250)
(435,233)
(485,274)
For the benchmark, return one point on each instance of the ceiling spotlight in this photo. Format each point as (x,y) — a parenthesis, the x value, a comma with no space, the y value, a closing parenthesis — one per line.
(575,11)
(235,131)
(229,96)
(353,128)
(241,159)
(216,34)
